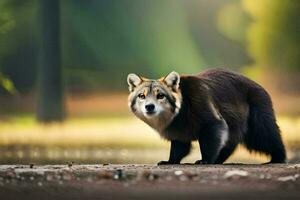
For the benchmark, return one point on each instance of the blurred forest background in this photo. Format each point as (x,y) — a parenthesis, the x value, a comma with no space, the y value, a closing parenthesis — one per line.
(63,69)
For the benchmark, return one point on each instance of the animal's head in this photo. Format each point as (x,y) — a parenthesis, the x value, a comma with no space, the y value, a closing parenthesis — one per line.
(156,102)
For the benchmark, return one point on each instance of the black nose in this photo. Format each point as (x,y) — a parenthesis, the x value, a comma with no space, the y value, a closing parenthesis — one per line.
(150,107)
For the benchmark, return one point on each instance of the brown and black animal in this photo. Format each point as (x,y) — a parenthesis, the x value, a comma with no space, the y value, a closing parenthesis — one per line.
(218,108)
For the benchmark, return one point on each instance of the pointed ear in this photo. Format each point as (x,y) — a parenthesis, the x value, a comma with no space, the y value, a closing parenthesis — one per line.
(172,80)
(133,80)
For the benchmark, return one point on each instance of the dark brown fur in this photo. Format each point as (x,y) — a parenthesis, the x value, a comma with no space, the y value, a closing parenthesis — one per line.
(218,102)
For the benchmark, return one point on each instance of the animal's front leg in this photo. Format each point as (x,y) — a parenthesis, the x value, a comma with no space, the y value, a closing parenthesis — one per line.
(178,151)
(213,141)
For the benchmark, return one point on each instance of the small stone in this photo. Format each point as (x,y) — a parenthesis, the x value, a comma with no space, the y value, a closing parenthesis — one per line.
(236,173)
(31,165)
(294,166)
(118,174)
(178,172)
(288,178)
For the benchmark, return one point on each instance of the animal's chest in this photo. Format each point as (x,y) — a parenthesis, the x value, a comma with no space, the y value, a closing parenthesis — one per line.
(184,136)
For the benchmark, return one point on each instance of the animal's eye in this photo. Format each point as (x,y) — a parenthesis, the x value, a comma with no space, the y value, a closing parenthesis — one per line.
(160,96)
(141,96)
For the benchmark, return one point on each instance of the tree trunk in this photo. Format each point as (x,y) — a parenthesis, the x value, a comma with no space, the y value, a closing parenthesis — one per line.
(50,105)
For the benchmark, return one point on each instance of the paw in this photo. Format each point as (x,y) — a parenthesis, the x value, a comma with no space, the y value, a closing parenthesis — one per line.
(201,162)
(165,163)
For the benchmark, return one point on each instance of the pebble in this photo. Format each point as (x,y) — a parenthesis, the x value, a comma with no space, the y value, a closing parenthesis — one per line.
(288,178)
(118,174)
(178,172)
(295,166)
(236,173)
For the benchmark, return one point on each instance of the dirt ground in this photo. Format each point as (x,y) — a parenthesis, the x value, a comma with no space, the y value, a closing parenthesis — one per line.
(106,181)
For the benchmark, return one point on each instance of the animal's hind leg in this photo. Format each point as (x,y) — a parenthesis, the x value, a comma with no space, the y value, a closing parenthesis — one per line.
(212,143)
(225,153)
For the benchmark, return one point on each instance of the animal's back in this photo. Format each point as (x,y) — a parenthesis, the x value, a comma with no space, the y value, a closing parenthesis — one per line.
(227,85)
(230,92)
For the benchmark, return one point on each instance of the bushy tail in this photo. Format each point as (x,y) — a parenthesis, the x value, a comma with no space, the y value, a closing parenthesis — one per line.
(263,133)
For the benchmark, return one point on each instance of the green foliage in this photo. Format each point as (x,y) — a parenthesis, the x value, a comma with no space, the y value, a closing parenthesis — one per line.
(17,42)
(151,35)
(103,39)
(274,35)
(7,23)
(7,84)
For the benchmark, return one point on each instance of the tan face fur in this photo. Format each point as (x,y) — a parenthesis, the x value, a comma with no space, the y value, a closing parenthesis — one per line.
(156,102)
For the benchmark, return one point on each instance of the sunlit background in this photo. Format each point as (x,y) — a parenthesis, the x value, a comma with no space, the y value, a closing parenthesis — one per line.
(64,98)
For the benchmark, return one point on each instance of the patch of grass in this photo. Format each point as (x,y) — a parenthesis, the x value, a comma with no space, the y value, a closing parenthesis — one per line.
(103,131)
(104,138)
(97,131)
